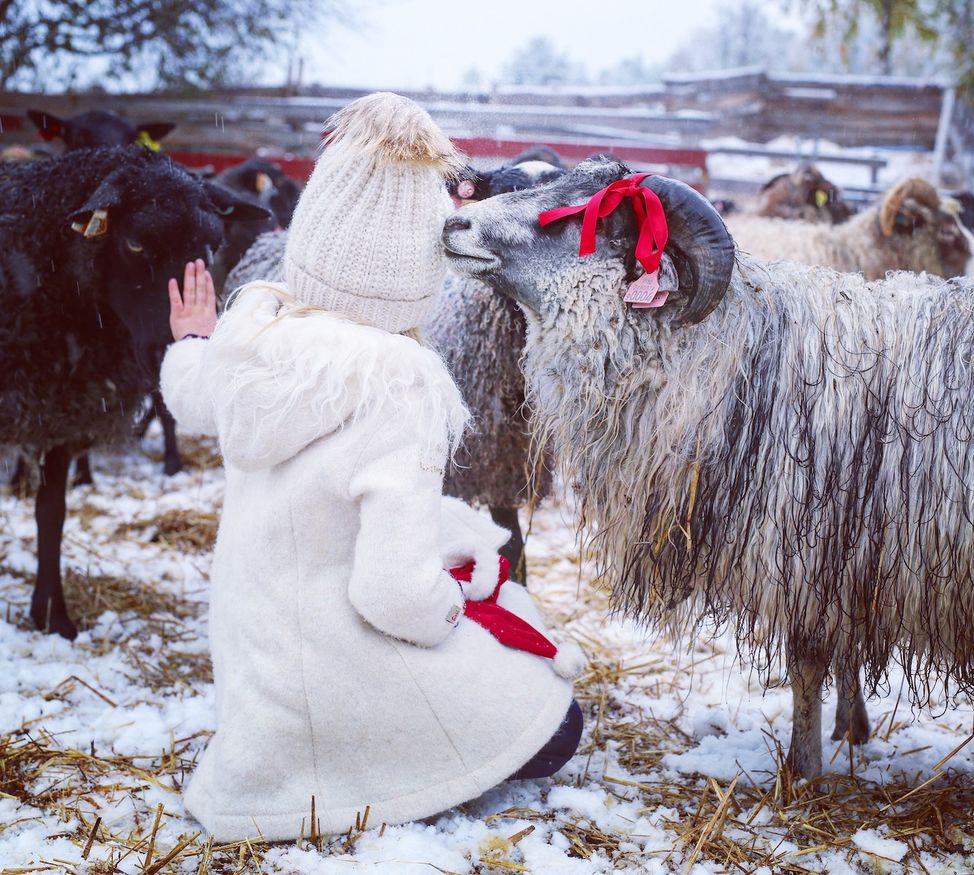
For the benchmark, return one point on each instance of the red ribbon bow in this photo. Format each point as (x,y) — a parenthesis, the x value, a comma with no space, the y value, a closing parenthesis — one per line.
(645,204)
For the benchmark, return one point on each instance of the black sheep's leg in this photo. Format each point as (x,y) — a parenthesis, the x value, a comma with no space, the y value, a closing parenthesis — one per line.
(47,608)
(82,471)
(172,463)
(142,426)
(20,479)
(514,548)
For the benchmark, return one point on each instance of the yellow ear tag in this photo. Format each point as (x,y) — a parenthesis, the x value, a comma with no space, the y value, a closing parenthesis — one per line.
(821,198)
(77,226)
(143,139)
(262,182)
(97,224)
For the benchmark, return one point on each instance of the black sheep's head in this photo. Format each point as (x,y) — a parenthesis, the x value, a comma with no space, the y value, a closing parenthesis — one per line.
(88,130)
(140,226)
(532,167)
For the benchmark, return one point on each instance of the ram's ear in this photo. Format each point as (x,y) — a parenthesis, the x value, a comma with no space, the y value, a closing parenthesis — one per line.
(49,126)
(91,219)
(231,207)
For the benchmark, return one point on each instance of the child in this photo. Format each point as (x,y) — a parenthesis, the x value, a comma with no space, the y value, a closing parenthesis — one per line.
(345,669)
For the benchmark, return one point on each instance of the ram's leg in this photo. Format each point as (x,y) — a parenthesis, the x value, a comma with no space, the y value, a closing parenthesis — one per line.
(513,549)
(807,673)
(851,717)
(47,608)
(172,463)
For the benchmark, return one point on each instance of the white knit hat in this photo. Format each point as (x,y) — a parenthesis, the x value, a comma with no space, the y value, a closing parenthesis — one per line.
(365,237)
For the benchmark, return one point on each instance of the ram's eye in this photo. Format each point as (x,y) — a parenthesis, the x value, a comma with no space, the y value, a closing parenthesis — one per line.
(134,245)
(224,211)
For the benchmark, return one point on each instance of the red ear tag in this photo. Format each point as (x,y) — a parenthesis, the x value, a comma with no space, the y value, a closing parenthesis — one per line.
(466,189)
(644,293)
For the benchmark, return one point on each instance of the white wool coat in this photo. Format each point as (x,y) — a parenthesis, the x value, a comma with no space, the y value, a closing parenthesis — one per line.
(344,668)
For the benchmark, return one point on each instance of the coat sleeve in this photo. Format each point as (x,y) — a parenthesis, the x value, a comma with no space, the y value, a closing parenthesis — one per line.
(184,388)
(398,583)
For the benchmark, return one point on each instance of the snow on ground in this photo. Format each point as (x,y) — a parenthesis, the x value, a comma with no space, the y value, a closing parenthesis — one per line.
(676,773)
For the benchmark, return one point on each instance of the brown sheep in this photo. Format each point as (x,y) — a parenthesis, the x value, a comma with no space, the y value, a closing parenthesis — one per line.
(910,229)
(804,194)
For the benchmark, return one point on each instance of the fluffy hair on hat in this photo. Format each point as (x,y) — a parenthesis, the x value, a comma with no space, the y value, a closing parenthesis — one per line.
(365,239)
(393,128)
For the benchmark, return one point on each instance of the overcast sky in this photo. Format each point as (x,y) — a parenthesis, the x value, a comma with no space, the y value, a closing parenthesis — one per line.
(419,43)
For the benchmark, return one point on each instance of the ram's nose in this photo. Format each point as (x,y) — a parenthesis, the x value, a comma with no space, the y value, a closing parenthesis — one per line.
(457,223)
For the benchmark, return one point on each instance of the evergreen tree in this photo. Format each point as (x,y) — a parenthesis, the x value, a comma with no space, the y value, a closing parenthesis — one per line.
(540,63)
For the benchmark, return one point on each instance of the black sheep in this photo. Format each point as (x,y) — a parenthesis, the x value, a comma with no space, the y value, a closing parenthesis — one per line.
(266,184)
(533,166)
(98,127)
(88,241)
(88,130)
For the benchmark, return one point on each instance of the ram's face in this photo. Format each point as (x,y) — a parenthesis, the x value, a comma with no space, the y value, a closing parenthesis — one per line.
(500,241)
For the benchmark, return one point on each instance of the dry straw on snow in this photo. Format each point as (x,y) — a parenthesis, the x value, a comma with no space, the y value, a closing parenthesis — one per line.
(739,826)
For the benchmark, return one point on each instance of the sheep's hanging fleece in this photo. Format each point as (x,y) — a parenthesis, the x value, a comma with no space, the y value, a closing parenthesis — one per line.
(395,129)
(797,466)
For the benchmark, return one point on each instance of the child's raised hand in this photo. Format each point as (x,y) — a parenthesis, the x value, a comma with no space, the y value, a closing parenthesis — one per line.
(193,311)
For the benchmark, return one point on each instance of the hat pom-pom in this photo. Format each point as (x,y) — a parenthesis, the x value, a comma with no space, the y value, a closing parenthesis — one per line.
(396,129)
(569,661)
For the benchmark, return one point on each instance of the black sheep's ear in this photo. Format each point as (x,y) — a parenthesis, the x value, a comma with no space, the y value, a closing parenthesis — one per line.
(232,207)
(91,219)
(156,130)
(49,126)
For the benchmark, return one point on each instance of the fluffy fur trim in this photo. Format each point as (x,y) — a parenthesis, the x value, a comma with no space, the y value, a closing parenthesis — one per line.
(569,661)
(394,129)
(290,374)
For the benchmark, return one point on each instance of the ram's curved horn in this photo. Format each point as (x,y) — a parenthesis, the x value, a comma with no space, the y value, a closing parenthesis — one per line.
(702,246)
(914,187)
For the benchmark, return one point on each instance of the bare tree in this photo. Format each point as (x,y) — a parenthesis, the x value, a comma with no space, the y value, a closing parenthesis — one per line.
(159,43)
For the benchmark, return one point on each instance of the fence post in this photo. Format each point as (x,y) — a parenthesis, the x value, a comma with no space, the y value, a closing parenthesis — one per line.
(943,131)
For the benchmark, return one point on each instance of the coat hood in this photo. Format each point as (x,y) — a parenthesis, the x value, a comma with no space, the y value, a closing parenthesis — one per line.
(284,376)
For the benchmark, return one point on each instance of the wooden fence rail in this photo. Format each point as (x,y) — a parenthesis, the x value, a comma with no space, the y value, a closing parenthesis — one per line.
(658,127)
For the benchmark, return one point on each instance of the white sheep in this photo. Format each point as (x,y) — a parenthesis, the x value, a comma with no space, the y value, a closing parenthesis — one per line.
(780,449)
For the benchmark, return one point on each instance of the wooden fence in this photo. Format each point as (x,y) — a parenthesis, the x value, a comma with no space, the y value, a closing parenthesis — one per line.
(656,127)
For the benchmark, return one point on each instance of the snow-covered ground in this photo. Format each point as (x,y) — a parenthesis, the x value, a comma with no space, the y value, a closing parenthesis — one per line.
(677,771)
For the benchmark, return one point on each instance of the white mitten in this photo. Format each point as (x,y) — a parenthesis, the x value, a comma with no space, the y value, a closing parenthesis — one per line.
(466,535)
